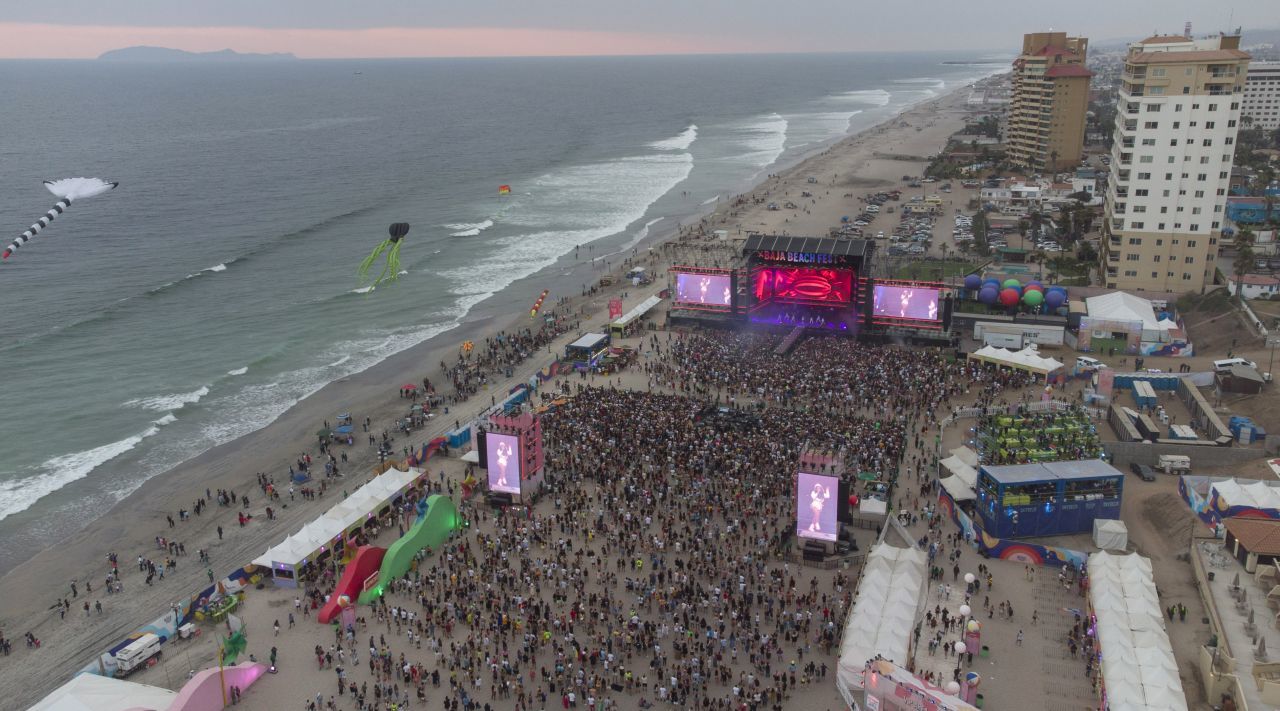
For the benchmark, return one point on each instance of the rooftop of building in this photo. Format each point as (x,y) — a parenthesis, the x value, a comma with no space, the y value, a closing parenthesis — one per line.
(1255,279)
(1201,55)
(1067,70)
(1165,39)
(1052,471)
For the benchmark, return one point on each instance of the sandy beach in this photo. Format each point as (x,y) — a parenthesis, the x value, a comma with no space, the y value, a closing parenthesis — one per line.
(857,164)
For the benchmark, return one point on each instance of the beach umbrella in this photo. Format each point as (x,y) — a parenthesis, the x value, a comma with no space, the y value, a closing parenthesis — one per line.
(323,433)
(973,282)
(1033,298)
(988,295)
(1009,297)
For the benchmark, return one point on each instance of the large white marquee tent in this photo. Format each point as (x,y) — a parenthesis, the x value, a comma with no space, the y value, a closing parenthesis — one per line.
(890,595)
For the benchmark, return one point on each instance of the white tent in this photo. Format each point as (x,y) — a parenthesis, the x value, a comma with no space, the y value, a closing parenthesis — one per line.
(966,455)
(957,467)
(1138,669)
(958,489)
(90,692)
(1110,534)
(890,594)
(1028,359)
(346,515)
(1255,494)
(637,312)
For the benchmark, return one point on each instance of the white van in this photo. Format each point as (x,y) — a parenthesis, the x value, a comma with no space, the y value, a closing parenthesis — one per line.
(137,654)
(1087,363)
(1221,366)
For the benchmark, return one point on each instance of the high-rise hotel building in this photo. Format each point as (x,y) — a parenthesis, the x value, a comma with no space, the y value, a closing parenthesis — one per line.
(1045,121)
(1177,116)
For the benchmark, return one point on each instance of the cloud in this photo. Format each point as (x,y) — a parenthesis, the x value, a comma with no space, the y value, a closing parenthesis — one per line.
(44,41)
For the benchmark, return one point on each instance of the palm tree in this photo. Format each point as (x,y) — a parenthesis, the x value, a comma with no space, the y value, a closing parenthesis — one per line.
(1053,162)
(1244,259)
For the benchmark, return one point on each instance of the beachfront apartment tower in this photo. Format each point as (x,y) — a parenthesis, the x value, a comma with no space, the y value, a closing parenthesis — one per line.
(1261,105)
(1177,114)
(1045,123)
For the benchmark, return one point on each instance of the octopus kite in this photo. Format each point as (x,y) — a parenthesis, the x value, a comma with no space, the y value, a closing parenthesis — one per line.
(391,245)
(66,190)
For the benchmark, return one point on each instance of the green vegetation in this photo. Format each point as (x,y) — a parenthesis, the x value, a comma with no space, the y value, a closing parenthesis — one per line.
(1213,303)
(1244,258)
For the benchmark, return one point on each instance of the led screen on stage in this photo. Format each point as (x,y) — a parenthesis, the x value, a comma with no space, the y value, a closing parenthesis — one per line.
(906,302)
(816,501)
(713,291)
(804,285)
(504,462)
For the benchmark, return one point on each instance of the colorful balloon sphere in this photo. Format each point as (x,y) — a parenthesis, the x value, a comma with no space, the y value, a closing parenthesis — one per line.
(1033,287)
(988,295)
(991,281)
(1036,284)
(973,282)
(1009,297)
(973,626)
(973,679)
(1012,284)
(1055,299)
(1033,298)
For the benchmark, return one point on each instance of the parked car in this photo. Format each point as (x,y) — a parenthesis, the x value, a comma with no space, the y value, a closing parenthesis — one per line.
(1144,471)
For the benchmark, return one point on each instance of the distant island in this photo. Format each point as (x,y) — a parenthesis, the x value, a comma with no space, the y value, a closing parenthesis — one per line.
(166,54)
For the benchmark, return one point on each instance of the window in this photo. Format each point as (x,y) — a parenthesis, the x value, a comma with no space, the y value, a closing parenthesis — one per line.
(1159,242)
(1202,177)
(1136,226)
(1195,211)
(1208,124)
(1195,107)
(1186,276)
(1176,124)
(1153,108)
(1199,193)
(1155,90)
(1139,208)
(1190,242)
(1229,140)
(1157,71)
(1189,260)
(1164,193)
(1177,225)
(1168,176)
(1204,160)
(1148,141)
(1130,273)
(1140,192)
(1223,175)
(1144,176)
(1145,159)
(1135,240)
(1195,227)
(1161,226)
(1207,142)
(1231,123)
(1213,107)
(1177,107)
(1193,124)
(1151,125)
(1164,209)
(1173,143)
(1131,257)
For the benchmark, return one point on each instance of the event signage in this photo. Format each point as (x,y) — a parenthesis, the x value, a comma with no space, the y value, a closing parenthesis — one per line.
(796,257)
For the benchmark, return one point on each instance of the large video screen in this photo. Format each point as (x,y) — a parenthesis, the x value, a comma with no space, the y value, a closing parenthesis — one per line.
(713,291)
(504,462)
(816,501)
(804,285)
(906,302)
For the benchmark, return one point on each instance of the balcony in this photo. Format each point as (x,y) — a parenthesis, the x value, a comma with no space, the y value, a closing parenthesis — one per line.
(1113,258)
(1126,143)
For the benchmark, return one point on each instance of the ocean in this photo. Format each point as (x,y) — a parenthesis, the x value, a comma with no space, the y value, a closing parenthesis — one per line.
(216,286)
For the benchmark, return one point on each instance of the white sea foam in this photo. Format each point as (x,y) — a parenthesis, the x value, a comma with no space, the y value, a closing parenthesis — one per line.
(167,403)
(637,238)
(217,268)
(875,97)
(710,200)
(469,229)
(680,142)
(238,371)
(806,129)
(567,208)
(20,493)
(362,290)
(167,419)
(764,139)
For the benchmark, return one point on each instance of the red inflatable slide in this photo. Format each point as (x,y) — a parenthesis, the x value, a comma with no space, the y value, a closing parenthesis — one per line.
(367,561)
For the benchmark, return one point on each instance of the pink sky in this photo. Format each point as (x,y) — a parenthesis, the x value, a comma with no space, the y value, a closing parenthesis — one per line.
(39,41)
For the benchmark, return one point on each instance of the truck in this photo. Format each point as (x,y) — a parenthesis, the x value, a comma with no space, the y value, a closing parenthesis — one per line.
(1028,332)
(136,654)
(1000,339)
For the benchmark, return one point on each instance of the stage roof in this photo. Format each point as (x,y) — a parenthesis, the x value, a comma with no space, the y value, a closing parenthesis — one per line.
(1052,471)
(813,245)
(590,340)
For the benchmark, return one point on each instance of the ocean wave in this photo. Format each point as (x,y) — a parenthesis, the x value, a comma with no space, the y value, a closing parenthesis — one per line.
(710,200)
(238,371)
(167,419)
(679,142)
(168,403)
(19,494)
(806,129)
(568,208)
(764,139)
(875,97)
(466,229)
(217,268)
(640,234)
(362,290)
